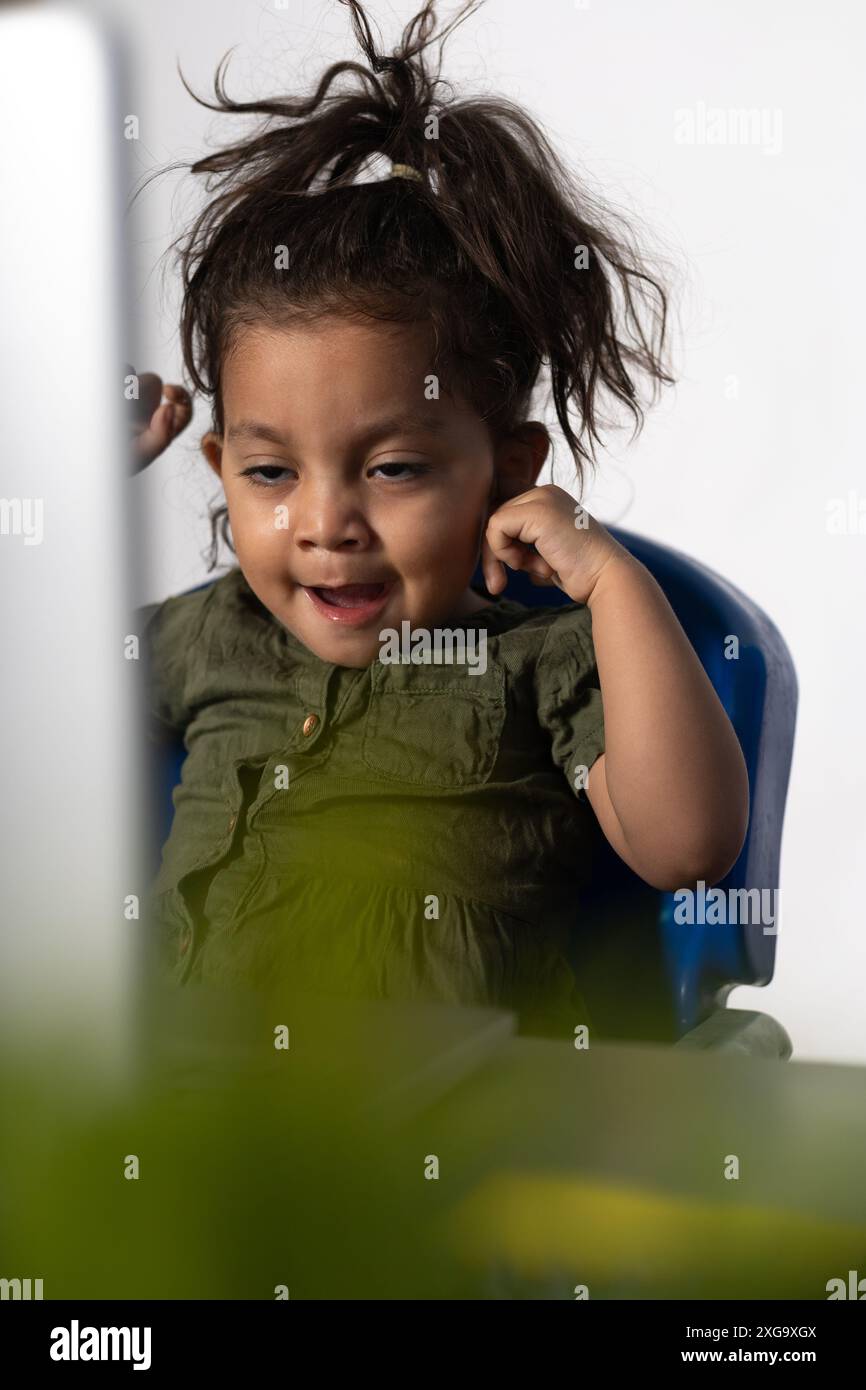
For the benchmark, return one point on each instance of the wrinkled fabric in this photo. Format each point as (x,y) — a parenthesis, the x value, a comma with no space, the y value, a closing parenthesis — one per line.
(398,831)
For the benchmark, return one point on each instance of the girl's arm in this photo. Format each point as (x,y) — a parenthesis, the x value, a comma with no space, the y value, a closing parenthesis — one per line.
(671,790)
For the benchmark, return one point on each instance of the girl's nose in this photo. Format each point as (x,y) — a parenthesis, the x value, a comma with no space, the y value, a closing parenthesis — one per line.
(327,519)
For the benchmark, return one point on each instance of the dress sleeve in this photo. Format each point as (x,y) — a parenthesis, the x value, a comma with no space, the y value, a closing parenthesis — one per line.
(164,635)
(568,694)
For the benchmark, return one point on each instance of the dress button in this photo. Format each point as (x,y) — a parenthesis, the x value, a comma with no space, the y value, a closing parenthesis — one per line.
(310,724)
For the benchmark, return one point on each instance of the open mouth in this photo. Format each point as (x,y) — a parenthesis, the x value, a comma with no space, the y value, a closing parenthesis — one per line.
(352,604)
(351,595)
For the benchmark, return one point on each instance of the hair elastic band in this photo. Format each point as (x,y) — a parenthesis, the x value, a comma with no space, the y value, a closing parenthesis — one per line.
(405,171)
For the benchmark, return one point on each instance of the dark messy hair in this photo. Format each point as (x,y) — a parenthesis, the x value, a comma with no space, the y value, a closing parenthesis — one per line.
(513,264)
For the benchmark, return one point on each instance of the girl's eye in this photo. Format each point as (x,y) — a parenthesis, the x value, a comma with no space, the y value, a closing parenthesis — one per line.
(272,474)
(414,470)
(266,468)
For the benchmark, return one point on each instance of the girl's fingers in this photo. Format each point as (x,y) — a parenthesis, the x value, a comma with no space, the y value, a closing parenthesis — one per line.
(495,577)
(152,441)
(155,425)
(511,542)
(506,556)
(150,393)
(534,566)
(518,551)
(182,401)
(516,555)
(519,557)
(149,397)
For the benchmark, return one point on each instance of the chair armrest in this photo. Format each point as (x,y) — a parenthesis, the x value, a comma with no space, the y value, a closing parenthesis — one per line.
(739,1030)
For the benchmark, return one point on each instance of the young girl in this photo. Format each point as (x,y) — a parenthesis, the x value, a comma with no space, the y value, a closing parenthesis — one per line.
(348,821)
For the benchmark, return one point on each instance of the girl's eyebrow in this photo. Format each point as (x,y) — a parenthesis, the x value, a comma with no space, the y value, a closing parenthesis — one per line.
(407,422)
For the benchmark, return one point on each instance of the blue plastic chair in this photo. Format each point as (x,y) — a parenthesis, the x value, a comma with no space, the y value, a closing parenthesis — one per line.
(645,977)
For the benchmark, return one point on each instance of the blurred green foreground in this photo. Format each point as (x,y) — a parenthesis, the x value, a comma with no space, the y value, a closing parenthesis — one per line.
(423,1151)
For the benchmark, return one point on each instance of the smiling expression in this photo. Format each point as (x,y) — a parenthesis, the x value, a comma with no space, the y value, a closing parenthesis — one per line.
(354,502)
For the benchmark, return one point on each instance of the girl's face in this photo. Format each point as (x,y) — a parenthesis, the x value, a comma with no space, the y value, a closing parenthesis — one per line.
(338,473)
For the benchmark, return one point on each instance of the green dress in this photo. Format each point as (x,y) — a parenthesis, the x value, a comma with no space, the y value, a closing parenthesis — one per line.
(401,831)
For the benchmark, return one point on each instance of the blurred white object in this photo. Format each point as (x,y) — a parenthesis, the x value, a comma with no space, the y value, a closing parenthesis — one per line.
(70,780)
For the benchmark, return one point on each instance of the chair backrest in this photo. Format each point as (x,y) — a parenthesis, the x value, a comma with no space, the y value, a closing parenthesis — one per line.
(644,974)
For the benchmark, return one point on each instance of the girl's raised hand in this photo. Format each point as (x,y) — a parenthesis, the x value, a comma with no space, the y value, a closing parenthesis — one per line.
(153,425)
(570,550)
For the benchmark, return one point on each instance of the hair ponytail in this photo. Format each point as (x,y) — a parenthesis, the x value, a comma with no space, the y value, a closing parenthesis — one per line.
(512,261)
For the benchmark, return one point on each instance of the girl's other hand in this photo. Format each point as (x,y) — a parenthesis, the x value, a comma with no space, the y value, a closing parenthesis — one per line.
(154,424)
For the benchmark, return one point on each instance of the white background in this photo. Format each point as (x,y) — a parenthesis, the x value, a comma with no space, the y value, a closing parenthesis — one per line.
(738,463)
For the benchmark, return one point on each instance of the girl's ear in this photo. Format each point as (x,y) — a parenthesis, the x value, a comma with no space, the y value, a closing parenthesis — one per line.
(211,447)
(518,459)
